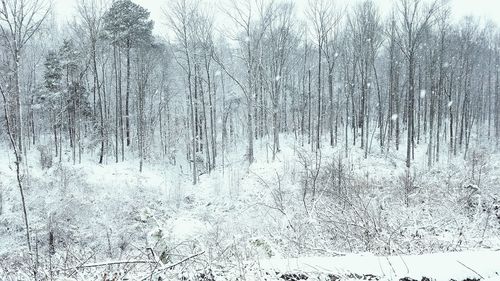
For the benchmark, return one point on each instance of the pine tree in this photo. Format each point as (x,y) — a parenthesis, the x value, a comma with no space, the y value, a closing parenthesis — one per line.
(69,60)
(50,98)
(53,72)
(127,25)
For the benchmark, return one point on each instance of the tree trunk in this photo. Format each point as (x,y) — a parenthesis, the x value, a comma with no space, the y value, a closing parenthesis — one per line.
(318,125)
(330,94)
(411,101)
(127,96)
(117,110)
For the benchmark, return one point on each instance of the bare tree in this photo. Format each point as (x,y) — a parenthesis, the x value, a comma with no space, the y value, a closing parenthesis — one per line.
(323,19)
(181,19)
(252,30)
(279,40)
(19,176)
(19,21)
(91,12)
(367,39)
(413,19)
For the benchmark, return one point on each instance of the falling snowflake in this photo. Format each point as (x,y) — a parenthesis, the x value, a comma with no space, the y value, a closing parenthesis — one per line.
(446,65)
(368,85)
(394,117)
(450,103)
(336,54)
(247,39)
(277,78)
(217,73)
(422,94)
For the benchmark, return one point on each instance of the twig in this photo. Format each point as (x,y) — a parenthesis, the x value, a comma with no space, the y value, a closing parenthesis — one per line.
(403,260)
(485,227)
(76,268)
(158,261)
(18,157)
(110,263)
(164,267)
(392,267)
(471,269)
(183,260)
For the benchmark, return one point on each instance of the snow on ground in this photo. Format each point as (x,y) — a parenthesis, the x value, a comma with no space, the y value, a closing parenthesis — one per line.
(242,216)
(484,265)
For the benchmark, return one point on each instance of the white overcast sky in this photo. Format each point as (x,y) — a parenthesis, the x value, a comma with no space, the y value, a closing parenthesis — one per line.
(485,9)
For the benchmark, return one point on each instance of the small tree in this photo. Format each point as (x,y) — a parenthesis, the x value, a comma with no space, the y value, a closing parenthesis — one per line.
(53,72)
(51,95)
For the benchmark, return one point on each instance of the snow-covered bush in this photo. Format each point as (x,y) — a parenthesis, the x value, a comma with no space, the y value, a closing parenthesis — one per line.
(45,156)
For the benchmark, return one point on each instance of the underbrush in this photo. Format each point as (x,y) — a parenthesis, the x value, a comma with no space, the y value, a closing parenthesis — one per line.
(343,206)
(305,203)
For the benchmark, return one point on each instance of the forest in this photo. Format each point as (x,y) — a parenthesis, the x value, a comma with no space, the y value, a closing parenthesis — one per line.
(233,136)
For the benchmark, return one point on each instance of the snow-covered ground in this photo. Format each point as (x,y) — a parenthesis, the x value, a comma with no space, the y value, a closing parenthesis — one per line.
(258,222)
(472,265)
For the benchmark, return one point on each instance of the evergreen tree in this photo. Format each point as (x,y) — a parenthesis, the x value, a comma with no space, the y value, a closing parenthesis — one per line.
(127,26)
(69,60)
(50,98)
(53,72)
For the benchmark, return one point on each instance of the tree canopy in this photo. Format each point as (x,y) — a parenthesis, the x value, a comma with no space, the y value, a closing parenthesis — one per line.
(127,24)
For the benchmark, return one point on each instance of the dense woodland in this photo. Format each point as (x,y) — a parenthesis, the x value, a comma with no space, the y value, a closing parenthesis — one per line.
(107,87)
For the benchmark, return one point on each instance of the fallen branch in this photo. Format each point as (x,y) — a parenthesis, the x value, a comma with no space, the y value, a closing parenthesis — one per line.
(170,266)
(183,260)
(107,263)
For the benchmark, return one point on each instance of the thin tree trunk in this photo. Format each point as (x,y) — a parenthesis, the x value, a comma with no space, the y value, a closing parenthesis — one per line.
(127,97)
